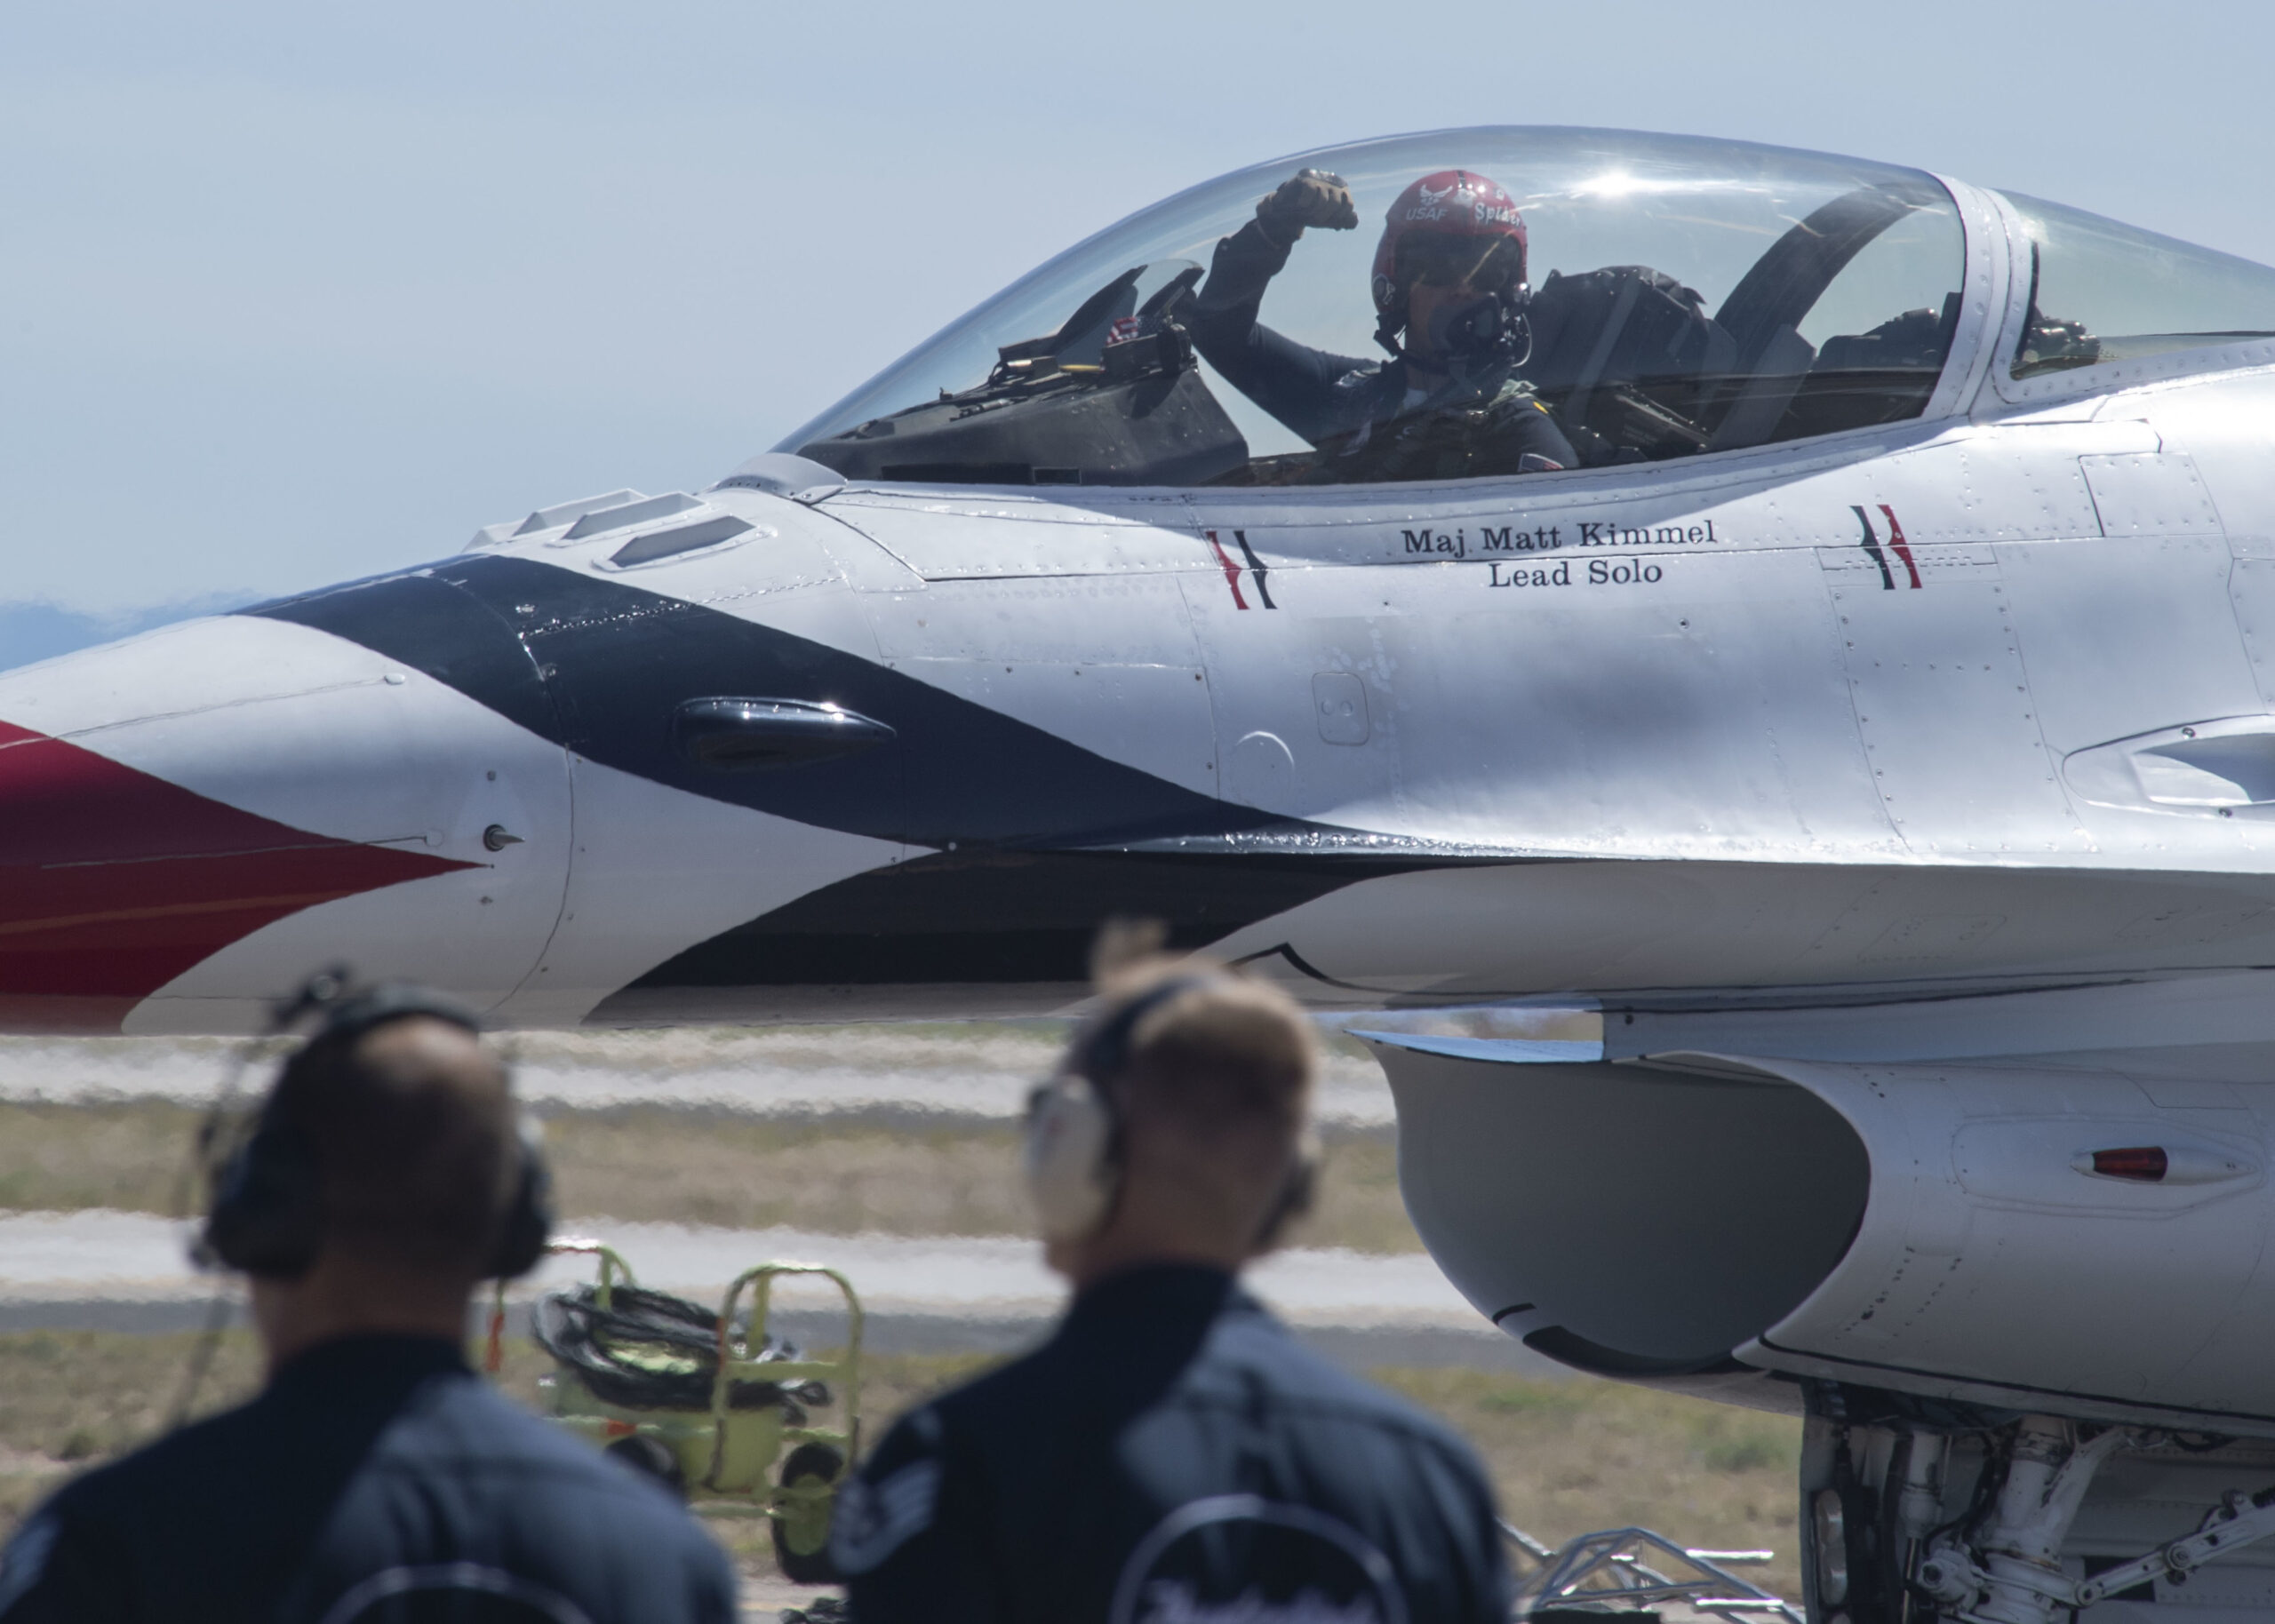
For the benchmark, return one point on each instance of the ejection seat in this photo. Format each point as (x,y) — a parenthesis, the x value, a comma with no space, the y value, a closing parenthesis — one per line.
(1638,371)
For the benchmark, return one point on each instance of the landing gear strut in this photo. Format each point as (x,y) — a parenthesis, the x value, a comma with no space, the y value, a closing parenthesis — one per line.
(1914,1513)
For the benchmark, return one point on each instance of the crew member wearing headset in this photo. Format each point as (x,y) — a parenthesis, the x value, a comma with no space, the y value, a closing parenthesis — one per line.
(376,1476)
(1449,294)
(1171,1453)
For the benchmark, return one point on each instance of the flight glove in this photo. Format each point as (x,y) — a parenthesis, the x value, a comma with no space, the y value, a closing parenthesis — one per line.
(1309,197)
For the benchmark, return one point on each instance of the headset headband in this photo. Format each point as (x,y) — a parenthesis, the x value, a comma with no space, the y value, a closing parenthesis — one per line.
(266,1214)
(348,1016)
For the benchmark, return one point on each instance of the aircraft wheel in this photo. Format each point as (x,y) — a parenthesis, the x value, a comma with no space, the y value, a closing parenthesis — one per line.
(802,1530)
(650,1457)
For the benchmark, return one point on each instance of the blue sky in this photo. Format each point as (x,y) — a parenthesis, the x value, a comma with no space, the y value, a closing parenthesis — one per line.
(292,292)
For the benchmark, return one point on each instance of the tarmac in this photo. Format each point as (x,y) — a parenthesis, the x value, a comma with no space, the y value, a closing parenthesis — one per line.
(863,1074)
(129,1272)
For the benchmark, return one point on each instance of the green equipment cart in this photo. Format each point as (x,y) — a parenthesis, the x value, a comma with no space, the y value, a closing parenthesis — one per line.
(716,1408)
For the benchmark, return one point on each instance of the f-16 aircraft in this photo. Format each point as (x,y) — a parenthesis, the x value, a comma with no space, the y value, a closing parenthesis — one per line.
(1817,615)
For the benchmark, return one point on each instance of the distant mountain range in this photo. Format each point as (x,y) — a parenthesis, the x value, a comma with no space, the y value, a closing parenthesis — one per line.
(34,631)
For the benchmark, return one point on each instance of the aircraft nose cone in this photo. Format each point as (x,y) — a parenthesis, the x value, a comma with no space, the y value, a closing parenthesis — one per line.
(113,880)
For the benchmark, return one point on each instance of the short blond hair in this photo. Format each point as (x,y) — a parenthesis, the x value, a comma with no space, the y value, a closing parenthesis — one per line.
(1223,1054)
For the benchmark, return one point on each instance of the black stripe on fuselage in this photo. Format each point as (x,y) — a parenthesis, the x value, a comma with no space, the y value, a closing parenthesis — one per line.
(601,667)
(1006,917)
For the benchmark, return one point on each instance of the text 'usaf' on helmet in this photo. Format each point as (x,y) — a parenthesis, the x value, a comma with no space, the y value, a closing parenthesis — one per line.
(1452,203)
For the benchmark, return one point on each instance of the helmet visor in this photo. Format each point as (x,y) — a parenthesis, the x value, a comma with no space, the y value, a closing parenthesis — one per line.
(1439,260)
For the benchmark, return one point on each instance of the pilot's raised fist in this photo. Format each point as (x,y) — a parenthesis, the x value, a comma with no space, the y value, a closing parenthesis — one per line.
(1309,197)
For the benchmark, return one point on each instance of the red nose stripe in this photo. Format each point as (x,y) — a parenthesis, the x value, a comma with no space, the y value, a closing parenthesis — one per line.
(112,881)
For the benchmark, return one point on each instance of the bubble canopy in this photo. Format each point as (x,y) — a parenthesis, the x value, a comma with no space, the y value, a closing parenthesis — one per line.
(1684,295)
(2103,292)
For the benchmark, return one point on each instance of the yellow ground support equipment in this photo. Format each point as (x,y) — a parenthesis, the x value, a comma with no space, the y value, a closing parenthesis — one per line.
(707,1404)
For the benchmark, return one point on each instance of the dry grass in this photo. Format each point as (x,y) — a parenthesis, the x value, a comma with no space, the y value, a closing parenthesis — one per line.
(1568,1455)
(656,1163)
(73,1398)
(128,1154)
(659,1164)
(673,1165)
(1573,1454)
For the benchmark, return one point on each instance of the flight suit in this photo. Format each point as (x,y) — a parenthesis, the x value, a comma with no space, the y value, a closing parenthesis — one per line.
(1171,1454)
(1326,397)
(376,1476)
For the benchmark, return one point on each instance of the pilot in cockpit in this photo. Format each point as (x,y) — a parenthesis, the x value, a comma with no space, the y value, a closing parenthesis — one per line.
(1449,291)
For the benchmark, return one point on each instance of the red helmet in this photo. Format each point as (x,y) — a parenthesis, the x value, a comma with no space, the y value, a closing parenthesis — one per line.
(1454,206)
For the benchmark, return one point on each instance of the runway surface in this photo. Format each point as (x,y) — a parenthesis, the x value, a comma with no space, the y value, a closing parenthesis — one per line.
(110,1270)
(136,1254)
(861,1072)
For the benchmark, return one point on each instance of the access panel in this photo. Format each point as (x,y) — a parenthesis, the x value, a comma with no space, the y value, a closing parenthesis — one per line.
(1942,702)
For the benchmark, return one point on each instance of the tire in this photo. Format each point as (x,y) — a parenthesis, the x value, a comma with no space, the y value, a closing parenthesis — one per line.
(651,1458)
(801,1535)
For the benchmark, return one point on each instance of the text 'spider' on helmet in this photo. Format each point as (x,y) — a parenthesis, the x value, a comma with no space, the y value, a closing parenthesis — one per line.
(1452,226)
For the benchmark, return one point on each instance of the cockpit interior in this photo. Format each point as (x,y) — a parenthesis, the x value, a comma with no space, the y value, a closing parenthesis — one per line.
(1684,297)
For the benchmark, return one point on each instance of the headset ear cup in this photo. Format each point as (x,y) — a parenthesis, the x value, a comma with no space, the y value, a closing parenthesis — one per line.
(527,1221)
(267,1218)
(1067,1159)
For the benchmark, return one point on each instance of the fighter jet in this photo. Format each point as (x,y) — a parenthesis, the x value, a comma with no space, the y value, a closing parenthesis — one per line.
(1815,615)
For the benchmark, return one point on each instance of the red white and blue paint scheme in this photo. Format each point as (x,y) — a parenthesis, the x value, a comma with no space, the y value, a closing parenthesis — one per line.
(1877,726)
